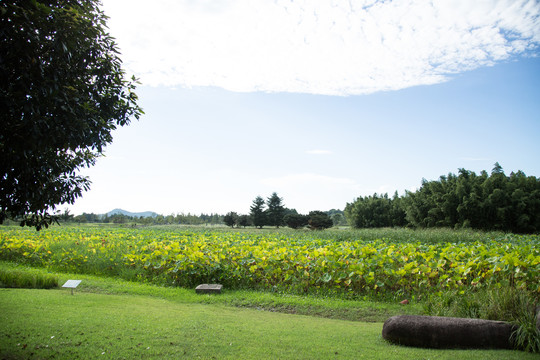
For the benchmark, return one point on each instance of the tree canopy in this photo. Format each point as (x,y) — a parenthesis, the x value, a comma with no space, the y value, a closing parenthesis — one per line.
(257,212)
(318,220)
(230,219)
(480,201)
(276,211)
(62,93)
(295,220)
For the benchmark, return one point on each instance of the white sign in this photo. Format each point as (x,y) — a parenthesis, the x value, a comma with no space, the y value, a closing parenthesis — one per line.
(72,284)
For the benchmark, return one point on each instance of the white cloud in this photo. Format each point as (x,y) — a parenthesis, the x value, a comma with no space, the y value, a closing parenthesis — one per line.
(323,47)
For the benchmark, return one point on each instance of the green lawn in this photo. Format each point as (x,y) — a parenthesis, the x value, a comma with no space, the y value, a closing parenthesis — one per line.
(45,324)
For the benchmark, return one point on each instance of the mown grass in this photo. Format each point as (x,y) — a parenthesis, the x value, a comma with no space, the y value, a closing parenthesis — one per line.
(48,324)
(113,318)
(328,307)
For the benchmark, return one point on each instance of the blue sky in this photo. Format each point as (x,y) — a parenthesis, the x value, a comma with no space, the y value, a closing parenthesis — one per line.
(227,121)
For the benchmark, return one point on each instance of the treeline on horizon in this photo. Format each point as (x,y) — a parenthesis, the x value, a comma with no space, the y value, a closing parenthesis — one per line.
(180,219)
(229,219)
(485,202)
(273,212)
(467,200)
(262,213)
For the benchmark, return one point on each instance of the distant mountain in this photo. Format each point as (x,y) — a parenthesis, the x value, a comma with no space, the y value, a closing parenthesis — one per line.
(132,214)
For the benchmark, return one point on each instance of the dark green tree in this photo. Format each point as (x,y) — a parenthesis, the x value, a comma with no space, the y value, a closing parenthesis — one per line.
(318,220)
(276,211)
(397,212)
(257,212)
(296,221)
(486,202)
(497,169)
(62,93)
(244,220)
(230,219)
(372,211)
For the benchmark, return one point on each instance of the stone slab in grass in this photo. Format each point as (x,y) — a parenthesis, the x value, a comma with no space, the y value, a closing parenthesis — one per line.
(209,289)
(448,332)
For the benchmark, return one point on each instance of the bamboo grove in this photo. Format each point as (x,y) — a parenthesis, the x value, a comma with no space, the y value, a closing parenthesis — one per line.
(467,200)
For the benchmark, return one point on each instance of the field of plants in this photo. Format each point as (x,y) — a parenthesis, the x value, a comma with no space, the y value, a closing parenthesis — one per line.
(385,263)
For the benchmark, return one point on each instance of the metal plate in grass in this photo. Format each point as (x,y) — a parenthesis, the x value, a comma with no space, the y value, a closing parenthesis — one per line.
(72,284)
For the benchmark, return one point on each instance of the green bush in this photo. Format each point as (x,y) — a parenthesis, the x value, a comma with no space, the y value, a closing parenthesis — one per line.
(504,304)
(527,336)
(16,278)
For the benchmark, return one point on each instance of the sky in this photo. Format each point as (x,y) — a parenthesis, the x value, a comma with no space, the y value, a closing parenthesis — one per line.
(319,101)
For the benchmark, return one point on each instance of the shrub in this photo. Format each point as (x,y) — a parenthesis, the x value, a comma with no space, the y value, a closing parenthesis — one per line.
(15,278)
(296,221)
(319,220)
(505,304)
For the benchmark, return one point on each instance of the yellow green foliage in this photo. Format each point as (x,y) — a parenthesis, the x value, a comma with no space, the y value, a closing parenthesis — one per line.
(286,261)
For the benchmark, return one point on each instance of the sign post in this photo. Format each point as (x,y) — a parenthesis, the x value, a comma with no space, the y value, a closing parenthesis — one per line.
(72,284)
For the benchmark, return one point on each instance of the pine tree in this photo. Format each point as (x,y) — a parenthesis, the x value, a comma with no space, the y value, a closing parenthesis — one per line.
(257,213)
(276,210)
